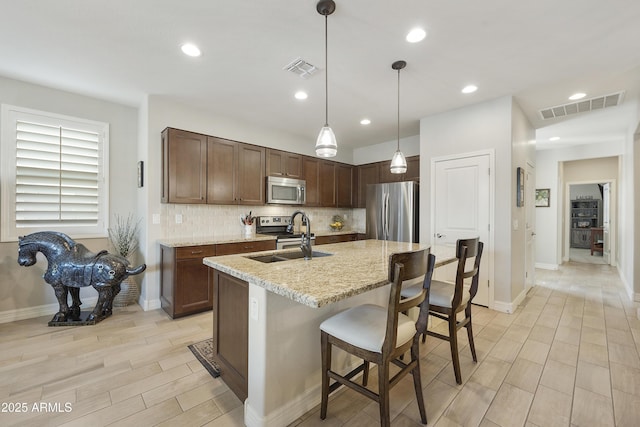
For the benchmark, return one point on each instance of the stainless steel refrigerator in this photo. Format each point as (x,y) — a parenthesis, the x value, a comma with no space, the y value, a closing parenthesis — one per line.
(392,211)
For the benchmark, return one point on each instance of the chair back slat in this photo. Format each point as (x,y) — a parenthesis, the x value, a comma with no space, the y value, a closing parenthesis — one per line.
(421,323)
(403,266)
(465,249)
(476,267)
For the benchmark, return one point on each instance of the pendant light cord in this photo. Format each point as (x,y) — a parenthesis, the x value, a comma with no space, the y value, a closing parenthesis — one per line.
(326,72)
(398,109)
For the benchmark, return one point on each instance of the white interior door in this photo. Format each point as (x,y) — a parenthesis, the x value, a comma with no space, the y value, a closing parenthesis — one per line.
(461,208)
(530,229)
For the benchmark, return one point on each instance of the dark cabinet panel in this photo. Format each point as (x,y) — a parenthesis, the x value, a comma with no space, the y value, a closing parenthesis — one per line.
(184,285)
(284,163)
(231,330)
(344,186)
(250,182)
(413,169)
(244,247)
(222,164)
(184,166)
(367,174)
(311,173)
(327,183)
(235,172)
(337,238)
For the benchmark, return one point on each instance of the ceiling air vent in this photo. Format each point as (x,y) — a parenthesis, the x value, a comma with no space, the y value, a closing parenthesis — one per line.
(301,67)
(582,106)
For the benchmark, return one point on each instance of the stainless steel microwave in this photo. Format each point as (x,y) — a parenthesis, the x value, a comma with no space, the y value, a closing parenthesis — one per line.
(286,191)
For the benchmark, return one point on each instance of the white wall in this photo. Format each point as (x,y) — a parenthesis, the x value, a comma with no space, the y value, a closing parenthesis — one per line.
(522,153)
(484,126)
(23,288)
(410,146)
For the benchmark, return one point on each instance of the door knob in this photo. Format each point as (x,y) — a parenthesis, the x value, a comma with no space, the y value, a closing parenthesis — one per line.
(440,236)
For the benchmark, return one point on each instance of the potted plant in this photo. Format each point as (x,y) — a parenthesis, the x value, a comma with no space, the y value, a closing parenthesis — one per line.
(124,239)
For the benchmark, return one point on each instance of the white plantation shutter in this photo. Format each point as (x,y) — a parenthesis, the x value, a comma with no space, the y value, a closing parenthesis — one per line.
(58,172)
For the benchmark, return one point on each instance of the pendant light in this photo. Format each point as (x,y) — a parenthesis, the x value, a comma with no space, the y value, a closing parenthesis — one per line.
(398,161)
(326,145)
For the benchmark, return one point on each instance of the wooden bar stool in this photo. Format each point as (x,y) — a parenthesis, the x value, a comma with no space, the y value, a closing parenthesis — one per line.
(381,335)
(448,299)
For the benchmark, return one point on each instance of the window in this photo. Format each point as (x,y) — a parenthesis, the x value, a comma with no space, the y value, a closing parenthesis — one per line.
(54,174)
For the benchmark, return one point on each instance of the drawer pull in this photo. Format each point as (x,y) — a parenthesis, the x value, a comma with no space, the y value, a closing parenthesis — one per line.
(196,252)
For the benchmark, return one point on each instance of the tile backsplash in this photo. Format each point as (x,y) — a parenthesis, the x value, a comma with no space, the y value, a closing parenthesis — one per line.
(179,220)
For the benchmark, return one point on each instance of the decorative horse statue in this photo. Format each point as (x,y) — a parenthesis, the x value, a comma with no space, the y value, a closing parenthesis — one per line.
(72,266)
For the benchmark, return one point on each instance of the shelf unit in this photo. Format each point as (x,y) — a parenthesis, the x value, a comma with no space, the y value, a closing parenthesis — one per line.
(585,215)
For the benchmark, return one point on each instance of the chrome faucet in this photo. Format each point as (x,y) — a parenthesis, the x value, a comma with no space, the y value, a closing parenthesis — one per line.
(306,235)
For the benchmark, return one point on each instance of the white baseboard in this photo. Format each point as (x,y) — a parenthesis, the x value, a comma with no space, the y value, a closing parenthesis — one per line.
(40,310)
(545,266)
(291,411)
(287,413)
(633,296)
(148,305)
(509,307)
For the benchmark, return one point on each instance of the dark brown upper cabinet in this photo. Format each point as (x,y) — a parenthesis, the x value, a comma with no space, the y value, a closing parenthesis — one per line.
(311,174)
(327,184)
(198,168)
(184,167)
(344,185)
(284,163)
(235,172)
(367,174)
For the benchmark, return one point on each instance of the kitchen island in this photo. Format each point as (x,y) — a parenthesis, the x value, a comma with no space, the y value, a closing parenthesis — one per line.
(284,304)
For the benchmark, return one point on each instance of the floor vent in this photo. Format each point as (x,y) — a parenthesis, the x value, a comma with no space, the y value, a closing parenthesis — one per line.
(301,67)
(582,106)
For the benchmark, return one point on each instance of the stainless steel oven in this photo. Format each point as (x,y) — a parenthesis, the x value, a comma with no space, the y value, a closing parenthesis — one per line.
(277,226)
(286,191)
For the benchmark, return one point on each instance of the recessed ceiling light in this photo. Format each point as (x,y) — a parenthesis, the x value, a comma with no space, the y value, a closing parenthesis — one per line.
(469,89)
(416,35)
(301,95)
(365,121)
(554,138)
(190,49)
(576,96)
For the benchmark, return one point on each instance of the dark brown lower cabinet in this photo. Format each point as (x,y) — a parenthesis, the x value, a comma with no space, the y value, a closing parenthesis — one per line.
(184,284)
(336,238)
(231,330)
(185,287)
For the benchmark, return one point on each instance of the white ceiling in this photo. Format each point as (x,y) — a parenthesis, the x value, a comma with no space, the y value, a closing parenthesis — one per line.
(540,52)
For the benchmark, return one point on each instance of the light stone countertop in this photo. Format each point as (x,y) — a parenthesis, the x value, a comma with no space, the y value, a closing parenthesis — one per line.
(177,242)
(354,268)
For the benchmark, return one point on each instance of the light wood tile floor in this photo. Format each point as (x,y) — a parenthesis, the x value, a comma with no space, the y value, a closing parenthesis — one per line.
(567,357)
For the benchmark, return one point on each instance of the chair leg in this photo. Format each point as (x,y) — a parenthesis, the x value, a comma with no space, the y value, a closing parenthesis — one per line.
(365,374)
(383,394)
(453,341)
(326,366)
(472,346)
(417,382)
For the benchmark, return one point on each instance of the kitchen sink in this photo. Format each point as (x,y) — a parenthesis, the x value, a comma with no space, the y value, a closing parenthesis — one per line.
(286,256)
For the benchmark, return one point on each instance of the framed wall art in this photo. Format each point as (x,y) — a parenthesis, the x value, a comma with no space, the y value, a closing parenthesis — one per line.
(542,197)
(140,174)
(519,187)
